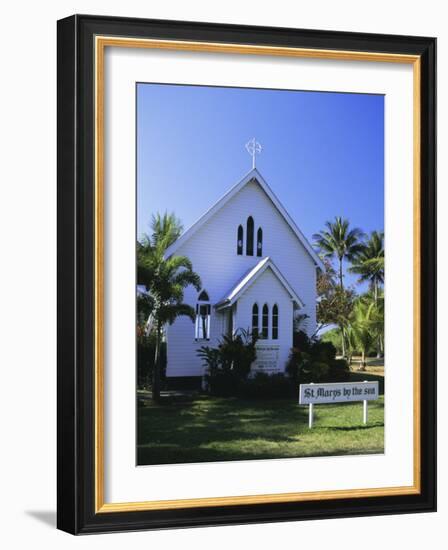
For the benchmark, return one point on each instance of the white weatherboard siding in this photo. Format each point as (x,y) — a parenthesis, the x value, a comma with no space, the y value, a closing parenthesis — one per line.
(213,252)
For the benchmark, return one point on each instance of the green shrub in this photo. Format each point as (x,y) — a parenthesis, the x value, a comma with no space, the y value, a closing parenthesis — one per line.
(339,371)
(229,363)
(315,361)
(301,341)
(334,336)
(237,353)
(292,366)
(323,352)
(320,371)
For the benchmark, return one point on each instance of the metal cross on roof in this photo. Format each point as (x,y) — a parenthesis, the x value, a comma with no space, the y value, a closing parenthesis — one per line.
(253,147)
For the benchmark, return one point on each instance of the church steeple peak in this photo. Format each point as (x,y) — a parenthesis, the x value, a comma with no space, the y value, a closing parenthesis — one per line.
(253,147)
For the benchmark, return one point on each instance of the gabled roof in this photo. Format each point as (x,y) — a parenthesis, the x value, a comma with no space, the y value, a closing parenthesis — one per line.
(251,276)
(253,175)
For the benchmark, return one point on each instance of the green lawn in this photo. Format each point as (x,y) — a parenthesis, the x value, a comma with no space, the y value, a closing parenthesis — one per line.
(205,429)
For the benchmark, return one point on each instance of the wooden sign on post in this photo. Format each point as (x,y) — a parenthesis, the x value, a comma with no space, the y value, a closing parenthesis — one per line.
(311,394)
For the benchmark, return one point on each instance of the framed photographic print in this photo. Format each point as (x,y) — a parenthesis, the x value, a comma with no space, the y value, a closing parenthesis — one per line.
(246,274)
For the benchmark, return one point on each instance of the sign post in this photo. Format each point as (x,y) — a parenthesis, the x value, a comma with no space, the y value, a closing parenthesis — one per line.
(343,392)
(310,413)
(365,411)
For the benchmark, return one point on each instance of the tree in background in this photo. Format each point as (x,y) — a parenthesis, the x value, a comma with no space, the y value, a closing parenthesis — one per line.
(164,280)
(363,329)
(361,326)
(334,302)
(377,318)
(350,343)
(369,263)
(339,242)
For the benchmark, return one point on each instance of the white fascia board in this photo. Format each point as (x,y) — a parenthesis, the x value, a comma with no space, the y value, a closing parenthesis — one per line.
(250,278)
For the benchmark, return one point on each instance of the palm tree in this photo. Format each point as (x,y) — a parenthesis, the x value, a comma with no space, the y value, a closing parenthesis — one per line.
(165,280)
(369,263)
(340,242)
(362,326)
(165,228)
(377,317)
(350,343)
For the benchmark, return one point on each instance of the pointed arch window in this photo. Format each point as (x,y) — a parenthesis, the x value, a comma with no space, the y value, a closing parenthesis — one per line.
(265,321)
(239,240)
(260,242)
(275,322)
(255,321)
(203,296)
(202,321)
(250,236)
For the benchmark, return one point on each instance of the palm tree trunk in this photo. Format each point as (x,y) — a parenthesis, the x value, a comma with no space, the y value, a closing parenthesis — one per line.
(343,341)
(156,369)
(341,282)
(375,297)
(363,360)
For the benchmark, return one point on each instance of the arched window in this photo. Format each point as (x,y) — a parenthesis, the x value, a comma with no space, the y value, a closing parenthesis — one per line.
(239,241)
(255,321)
(250,236)
(202,322)
(265,322)
(260,242)
(203,297)
(275,322)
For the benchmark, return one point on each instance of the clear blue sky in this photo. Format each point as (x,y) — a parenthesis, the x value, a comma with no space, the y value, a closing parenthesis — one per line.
(323,153)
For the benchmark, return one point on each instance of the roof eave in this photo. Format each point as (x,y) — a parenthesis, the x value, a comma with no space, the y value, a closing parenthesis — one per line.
(223,304)
(256,272)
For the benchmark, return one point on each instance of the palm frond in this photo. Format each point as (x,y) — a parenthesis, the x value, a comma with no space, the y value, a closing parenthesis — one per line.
(165,279)
(368,262)
(187,277)
(170,312)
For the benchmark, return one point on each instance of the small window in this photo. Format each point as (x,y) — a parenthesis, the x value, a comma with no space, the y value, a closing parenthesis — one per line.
(239,242)
(265,322)
(202,322)
(255,321)
(260,242)
(250,236)
(203,297)
(275,322)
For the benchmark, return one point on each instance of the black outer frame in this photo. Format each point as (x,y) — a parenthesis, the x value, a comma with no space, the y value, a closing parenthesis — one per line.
(75,403)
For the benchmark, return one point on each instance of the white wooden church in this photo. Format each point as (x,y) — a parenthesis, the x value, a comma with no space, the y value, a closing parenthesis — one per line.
(258,271)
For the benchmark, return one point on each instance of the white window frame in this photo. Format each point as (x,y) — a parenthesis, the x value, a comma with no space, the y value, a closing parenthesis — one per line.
(198,325)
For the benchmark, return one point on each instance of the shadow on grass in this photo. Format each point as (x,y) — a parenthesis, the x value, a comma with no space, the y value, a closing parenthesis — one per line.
(221,429)
(354,428)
